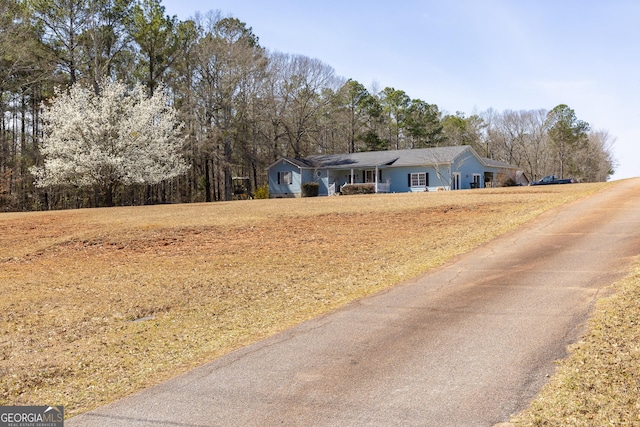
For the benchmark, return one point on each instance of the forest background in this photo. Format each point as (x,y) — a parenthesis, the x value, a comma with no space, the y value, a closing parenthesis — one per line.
(241,106)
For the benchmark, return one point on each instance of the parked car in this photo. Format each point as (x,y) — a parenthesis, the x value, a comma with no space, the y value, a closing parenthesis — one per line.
(552,179)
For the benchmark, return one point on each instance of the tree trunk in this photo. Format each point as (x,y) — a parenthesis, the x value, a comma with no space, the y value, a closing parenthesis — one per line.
(207,181)
(108,195)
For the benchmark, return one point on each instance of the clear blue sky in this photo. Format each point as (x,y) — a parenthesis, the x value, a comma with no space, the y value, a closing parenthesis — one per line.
(470,55)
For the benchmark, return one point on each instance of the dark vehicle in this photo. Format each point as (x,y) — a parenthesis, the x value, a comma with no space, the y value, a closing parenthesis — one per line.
(552,179)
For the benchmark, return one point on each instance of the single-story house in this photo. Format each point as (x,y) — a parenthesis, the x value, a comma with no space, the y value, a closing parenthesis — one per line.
(393,171)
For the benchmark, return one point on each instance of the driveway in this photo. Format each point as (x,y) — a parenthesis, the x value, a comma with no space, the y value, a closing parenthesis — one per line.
(465,345)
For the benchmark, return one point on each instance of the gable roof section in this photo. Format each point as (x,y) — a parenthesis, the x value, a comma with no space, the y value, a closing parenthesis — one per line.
(497,164)
(299,163)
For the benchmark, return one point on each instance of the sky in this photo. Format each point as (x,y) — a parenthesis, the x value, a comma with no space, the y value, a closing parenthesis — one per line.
(469,55)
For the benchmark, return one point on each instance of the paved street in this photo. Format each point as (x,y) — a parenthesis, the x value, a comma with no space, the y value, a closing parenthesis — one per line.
(465,345)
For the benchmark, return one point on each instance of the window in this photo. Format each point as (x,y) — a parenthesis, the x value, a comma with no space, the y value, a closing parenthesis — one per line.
(419,179)
(285,178)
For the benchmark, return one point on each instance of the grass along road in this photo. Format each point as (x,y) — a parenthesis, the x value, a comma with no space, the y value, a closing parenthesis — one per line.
(598,384)
(100,303)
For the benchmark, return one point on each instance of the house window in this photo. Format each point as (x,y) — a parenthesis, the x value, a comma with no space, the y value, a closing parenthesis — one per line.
(285,178)
(419,179)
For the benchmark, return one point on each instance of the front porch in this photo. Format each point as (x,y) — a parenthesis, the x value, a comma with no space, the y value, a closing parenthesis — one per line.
(341,179)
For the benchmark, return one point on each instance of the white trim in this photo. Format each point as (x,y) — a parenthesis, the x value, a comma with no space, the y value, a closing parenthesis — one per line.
(418,176)
(284,160)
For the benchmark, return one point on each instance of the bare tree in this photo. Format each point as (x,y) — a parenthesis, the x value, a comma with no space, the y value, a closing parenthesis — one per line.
(301,92)
(550,143)
(595,162)
(229,66)
(520,138)
(535,156)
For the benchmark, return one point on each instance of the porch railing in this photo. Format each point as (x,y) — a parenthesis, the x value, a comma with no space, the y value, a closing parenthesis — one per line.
(332,189)
(383,187)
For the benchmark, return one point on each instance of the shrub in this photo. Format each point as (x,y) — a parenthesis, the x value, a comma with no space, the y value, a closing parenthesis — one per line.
(350,189)
(508,182)
(261,192)
(310,189)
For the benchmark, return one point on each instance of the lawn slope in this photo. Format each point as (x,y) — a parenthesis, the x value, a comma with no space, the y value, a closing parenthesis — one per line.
(99,303)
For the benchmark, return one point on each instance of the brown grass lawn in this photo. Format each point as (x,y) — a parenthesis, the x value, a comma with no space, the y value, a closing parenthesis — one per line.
(99,303)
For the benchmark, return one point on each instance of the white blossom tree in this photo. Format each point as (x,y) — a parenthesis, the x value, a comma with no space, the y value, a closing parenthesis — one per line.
(119,137)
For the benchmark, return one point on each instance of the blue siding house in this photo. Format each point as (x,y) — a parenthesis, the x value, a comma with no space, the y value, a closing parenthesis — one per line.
(394,171)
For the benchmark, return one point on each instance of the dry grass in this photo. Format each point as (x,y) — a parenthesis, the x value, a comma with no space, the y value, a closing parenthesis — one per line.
(99,303)
(599,384)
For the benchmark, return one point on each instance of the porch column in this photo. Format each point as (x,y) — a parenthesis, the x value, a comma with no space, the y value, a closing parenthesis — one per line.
(351,176)
(376,178)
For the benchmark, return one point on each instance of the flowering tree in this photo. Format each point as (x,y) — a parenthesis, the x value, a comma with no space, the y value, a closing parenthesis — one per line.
(119,137)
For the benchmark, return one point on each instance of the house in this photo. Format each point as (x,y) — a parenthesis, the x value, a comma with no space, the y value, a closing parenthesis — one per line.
(394,171)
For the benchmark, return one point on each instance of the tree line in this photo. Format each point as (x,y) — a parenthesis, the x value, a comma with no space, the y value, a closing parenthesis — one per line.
(238,107)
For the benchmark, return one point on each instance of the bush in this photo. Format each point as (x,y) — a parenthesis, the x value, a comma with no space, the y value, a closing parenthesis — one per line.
(261,192)
(310,189)
(508,182)
(350,189)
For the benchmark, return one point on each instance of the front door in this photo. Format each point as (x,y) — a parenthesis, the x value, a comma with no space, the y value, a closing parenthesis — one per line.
(476,181)
(455,181)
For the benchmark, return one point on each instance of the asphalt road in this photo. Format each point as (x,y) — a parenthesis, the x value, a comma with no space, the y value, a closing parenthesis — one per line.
(466,345)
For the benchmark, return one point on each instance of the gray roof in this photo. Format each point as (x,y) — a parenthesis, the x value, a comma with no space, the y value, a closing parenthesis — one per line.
(409,157)
(392,158)
(497,164)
